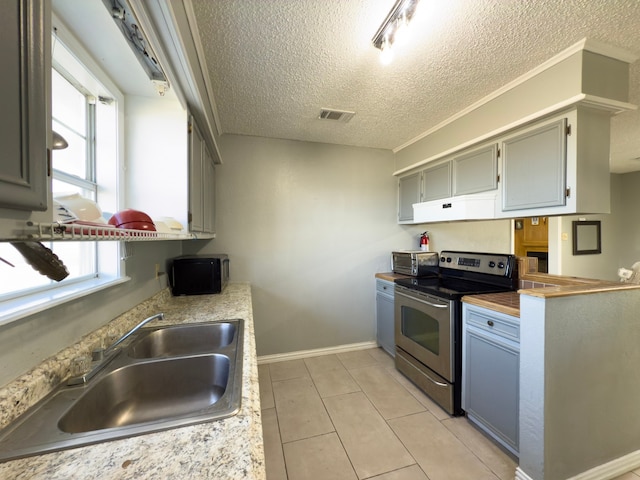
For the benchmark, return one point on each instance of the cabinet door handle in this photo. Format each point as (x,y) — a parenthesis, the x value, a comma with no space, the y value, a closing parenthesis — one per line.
(384,288)
(490,323)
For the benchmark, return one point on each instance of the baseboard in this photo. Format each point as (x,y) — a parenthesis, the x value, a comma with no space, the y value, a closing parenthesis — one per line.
(520,475)
(606,471)
(283,357)
(611,469)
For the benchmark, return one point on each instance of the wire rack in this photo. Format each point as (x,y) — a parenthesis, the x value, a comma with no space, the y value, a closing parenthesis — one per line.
(81,232)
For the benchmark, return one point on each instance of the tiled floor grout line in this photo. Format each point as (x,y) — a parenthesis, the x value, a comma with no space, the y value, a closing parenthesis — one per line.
(386,421)
(275,408)
(328,415)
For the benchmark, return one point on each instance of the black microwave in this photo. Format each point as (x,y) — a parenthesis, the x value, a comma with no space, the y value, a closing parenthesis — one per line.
(199,274)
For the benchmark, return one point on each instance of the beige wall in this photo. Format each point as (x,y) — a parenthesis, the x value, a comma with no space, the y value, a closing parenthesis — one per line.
(604,265)
(308,225)
(629,232)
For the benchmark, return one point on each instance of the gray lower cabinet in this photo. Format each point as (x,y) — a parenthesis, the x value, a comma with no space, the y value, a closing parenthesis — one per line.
(491,373)
(384,315)
(25,58)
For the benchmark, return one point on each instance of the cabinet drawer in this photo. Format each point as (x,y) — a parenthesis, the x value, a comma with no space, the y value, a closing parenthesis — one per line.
(384,286)
(494,322)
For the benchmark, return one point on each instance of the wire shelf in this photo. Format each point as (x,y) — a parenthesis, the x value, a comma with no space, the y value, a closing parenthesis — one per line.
(82,232)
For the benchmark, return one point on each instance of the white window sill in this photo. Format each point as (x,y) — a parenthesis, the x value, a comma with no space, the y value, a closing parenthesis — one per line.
(13,310)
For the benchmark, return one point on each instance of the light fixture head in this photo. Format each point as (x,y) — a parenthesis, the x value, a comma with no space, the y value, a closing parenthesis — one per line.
(396,21)
(386,54)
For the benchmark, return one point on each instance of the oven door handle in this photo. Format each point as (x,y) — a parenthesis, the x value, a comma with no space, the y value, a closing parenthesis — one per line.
(410,297)
(440,384)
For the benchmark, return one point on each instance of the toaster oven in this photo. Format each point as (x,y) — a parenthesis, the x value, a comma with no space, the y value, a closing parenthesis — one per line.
(416,263)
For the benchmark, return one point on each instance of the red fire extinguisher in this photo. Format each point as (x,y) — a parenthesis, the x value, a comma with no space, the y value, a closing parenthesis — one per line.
(424,242)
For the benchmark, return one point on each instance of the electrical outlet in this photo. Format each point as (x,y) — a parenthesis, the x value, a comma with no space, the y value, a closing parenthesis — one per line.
(565,237)
(157,270)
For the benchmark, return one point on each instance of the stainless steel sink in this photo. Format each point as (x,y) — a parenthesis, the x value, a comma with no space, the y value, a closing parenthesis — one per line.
(183,339)
(149,392)
(178,382)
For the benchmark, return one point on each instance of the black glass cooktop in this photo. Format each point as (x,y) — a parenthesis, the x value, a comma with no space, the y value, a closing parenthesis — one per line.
(448,287)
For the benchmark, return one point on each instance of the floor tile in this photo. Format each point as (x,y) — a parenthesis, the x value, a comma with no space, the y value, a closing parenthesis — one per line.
(627,476)
(371,445)
(382,357)
(356,359)
(287,370)
(334,382)
(414,472)
(318,458)
(273,456)
(301,413)
(324,363)
(438,451)
(388,396)
(419,395)
(266,392)
(499,462)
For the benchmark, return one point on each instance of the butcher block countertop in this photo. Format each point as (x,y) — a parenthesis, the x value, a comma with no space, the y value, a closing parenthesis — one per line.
(505,302)
(543,285)
(390,276)
(228,449)
(563,286)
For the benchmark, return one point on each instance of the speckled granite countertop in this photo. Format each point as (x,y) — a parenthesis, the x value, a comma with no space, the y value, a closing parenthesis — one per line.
(227,449)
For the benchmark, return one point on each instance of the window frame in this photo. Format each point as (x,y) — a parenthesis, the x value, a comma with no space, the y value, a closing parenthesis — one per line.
(110,192)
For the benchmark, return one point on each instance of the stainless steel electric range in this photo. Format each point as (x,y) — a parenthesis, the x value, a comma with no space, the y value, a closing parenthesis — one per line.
(428,319)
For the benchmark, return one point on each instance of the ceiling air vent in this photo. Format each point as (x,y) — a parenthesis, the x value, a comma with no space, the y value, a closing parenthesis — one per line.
(339,115)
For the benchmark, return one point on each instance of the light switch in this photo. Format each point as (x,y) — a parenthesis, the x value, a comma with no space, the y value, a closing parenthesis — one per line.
(565,237)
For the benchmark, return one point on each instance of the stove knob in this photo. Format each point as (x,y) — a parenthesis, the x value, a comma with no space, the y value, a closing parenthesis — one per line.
(492,264)
(500,265)
(448,259)
(442,259)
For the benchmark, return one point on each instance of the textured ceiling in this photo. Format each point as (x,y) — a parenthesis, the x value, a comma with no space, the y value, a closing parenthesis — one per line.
(274,63)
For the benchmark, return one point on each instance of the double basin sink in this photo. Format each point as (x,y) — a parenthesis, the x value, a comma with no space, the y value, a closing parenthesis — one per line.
(160,378)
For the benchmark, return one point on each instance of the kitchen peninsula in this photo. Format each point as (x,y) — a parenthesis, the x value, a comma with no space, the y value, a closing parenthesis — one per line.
(230,448)
(578,375)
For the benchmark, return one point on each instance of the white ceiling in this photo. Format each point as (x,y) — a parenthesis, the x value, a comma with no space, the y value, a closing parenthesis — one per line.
(274,63)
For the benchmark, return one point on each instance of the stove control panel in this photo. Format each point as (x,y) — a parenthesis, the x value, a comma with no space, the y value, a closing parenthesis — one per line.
(488,263)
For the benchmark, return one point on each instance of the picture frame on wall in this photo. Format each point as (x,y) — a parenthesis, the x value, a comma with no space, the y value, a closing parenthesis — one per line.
(586,237)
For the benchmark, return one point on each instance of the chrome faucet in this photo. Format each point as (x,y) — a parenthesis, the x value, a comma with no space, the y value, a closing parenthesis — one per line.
(103,356)
(110,349)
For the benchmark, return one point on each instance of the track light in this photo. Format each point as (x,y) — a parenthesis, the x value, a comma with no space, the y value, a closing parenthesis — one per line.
(394,28)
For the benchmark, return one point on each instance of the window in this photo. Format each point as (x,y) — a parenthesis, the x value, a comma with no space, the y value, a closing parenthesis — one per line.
(88,115)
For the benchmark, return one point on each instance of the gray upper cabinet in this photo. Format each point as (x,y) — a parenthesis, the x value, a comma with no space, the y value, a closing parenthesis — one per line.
(209,192)
(196,162)
(476,171)
(25,34)
(408,194)
(436,182)
(201,183)
(534,168)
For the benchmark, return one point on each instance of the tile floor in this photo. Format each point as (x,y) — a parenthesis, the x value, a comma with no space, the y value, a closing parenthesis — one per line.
(353,416)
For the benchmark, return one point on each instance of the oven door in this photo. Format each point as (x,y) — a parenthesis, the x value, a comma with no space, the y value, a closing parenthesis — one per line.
(424,329)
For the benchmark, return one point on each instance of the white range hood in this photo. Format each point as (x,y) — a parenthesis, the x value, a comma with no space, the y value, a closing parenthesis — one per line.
(478,206)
